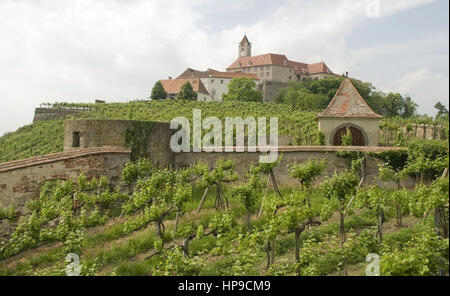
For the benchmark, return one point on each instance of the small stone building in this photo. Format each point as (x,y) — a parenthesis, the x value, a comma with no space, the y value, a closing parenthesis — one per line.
(151,139)
(348,109)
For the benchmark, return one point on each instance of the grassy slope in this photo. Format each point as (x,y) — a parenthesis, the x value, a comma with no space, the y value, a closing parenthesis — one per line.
(35,139)
(41,138)
(109,250)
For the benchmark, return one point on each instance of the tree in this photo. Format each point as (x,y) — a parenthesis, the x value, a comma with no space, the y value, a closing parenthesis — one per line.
(223,172)
(299,97)
(373,199)
(427,159)
(313,94)
(158,92)
(442,110)
(272,227)
(420,256)
(267,169)
(62,212)
(156,198)
(427,199)
(306,172)
(140,169)
(187,92)
(296,217)
(248,193)
(342,188)
(242,89)
(394,104)
(409,107)
(398,197)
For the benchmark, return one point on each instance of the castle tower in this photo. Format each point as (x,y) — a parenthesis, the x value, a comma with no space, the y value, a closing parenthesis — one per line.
(245,48)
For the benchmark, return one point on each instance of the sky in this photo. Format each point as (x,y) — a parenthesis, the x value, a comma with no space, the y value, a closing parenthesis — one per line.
(115,50)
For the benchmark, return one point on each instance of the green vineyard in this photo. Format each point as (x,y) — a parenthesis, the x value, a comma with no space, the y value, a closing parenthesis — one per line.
(200,221)
(43,137)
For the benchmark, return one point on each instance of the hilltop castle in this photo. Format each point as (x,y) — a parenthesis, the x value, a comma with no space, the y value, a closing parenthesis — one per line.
(270,72)
(276,67)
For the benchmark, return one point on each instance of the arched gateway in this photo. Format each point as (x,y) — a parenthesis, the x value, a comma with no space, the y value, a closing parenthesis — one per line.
(357,136)
(348,110)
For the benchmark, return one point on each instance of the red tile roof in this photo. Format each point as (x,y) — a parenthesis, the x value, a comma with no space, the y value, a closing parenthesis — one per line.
(260,60)
(173,86)
(347,102)
(280,60)
(299,68)
(318,68)
(191,73)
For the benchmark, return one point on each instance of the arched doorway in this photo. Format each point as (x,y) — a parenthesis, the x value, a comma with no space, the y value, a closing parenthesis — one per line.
(357,135)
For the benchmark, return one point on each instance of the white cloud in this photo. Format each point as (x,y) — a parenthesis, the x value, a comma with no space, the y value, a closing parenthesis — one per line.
(389,7)
(81,50)
(428,88)
(115,50)
(388,61)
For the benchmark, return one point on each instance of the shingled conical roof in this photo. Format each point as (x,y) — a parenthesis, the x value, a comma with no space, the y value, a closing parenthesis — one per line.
(244,40)
(347,102)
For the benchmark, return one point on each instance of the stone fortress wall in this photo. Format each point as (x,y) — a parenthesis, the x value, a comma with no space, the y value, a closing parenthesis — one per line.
(20,180)
(41,114)
(152,138)
(103,150)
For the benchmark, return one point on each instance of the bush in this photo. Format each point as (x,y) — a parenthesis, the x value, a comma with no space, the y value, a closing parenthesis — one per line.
(423,255)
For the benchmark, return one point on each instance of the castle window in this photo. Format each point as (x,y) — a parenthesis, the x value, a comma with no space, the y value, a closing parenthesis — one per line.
(267,74)
(290,77)
(261,68)
(76,139)
(221,81)
(212,80)
(262,74)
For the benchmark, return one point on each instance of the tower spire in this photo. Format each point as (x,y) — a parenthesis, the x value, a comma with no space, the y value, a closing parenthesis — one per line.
(245,47)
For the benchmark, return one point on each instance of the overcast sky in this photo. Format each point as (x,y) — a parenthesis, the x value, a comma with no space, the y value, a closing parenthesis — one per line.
(115,50)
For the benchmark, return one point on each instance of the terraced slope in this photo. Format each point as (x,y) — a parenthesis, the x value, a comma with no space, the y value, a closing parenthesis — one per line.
(39,138)
(111,251)
(45,137)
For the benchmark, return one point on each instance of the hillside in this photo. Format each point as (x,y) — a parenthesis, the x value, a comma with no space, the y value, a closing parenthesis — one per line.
(41,138)
(47,137)
(162,225)
(111,250)
(36,139)
(128,240)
